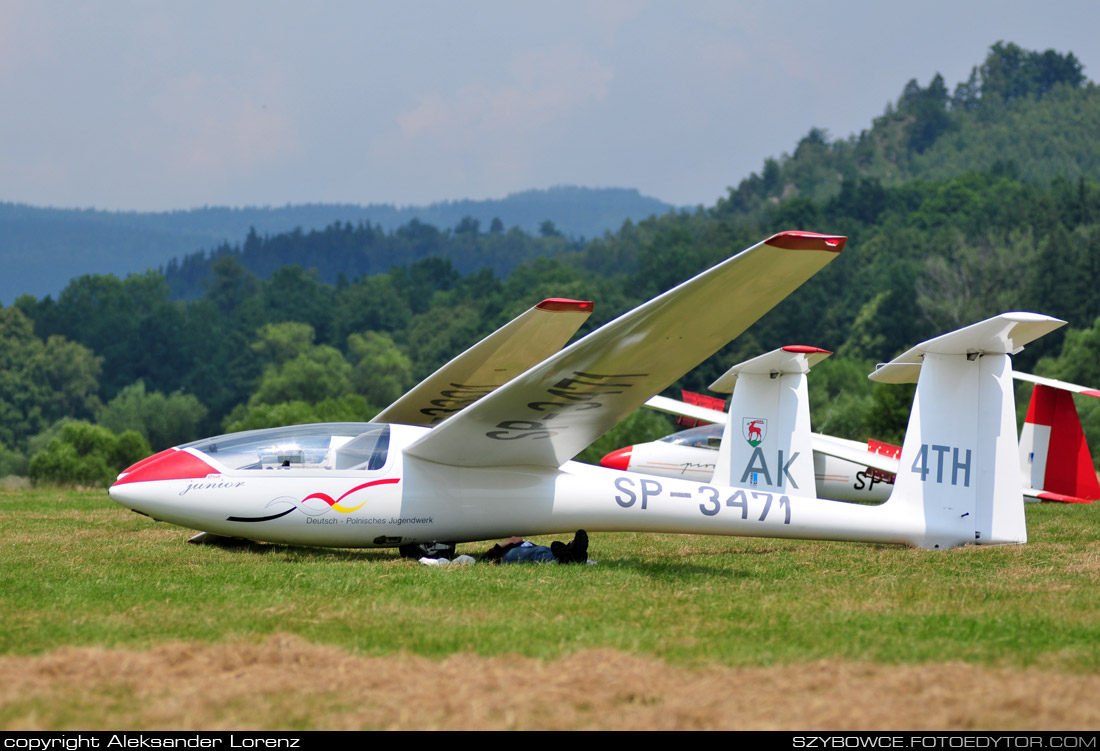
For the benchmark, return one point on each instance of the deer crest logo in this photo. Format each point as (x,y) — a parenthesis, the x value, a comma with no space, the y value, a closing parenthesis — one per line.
(754,429)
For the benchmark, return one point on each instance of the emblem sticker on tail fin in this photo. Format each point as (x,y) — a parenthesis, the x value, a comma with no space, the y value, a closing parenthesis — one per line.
(754,429)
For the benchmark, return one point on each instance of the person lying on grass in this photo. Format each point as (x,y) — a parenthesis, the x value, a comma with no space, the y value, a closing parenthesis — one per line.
(518,550)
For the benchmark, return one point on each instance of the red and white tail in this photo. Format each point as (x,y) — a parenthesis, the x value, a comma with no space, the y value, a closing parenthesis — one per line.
(1054,456)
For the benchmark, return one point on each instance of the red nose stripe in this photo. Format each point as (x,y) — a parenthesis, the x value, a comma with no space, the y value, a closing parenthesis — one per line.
(148,460)
(167,465)
(618,459)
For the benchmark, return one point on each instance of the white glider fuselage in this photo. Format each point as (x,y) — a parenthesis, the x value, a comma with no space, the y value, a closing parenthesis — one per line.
(407,500)
(483,448)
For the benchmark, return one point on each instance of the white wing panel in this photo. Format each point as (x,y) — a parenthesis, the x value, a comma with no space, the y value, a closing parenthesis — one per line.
(553,411)
(1055,384)
(834,447)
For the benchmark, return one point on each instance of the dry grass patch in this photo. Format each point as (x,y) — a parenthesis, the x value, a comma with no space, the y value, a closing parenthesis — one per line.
(288,683)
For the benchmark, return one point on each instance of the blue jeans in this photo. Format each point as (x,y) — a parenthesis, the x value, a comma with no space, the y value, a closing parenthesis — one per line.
(529,553)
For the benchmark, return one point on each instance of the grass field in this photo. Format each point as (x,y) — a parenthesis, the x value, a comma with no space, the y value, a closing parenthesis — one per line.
(110,621)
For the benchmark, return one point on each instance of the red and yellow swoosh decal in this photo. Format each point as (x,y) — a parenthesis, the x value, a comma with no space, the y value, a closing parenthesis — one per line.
(333,503)
(337,506)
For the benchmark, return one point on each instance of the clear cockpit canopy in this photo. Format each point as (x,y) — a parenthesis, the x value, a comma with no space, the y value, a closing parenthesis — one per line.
(704,436)
(334,445)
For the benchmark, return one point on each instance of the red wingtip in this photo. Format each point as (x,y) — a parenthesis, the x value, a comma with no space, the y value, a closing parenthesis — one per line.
(556,304)
(794,240)
(172,464)
(618,459)
(803,349)
(1047,497)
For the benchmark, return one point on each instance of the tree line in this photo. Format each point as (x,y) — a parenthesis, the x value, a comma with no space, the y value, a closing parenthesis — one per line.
(284,329)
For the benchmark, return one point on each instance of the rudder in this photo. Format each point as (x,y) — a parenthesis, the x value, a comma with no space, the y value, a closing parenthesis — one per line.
(1054,456)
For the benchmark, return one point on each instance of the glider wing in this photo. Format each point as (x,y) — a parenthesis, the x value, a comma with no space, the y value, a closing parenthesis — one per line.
(553,411)
(498,358)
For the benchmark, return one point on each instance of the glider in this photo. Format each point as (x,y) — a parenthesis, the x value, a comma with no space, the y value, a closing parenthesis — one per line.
(1055,461)
(501,465)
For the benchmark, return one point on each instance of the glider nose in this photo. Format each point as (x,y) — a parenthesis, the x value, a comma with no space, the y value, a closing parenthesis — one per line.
(137,465)
(171,464)
(130,489)
(618,459)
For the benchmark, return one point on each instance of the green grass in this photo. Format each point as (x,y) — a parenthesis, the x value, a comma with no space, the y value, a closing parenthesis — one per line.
(75,569)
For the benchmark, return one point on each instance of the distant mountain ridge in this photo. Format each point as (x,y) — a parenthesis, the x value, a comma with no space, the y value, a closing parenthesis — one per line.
(41,249)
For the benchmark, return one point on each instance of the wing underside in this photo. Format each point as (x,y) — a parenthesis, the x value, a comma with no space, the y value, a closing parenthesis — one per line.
(553,411)
(525,341)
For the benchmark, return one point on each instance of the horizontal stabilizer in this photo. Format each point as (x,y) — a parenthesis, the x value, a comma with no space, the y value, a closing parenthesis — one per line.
(1005,334)
(795,358)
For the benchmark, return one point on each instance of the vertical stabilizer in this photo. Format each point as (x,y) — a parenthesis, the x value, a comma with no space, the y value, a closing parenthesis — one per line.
(959,471)
(1054,456)
(766,442)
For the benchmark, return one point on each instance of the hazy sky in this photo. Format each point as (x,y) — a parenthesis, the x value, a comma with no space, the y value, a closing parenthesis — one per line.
(162,105)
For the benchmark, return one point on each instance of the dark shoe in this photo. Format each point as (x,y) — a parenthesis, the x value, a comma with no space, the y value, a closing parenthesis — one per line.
(574,552)
(580,546)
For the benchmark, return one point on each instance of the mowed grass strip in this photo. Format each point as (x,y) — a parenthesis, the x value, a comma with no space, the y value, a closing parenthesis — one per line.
(77,570)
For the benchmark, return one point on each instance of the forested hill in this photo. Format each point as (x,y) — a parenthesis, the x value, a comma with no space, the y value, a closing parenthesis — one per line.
(926,253)
(345,252)
(42,248)
(1031,114)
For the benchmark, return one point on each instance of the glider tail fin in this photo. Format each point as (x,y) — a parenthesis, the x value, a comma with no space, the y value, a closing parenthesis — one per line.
(958,479)
(1054,455)
(766,442)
